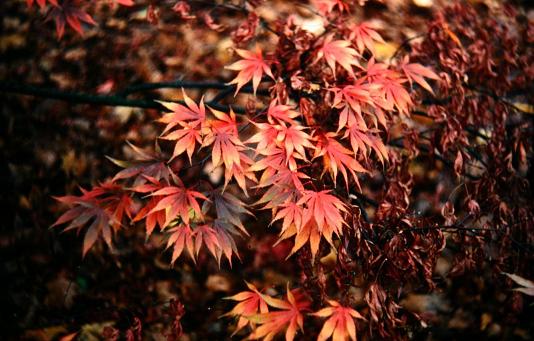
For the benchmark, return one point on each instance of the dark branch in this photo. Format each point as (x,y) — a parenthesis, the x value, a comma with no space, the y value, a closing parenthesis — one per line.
(106,100)
(188,85)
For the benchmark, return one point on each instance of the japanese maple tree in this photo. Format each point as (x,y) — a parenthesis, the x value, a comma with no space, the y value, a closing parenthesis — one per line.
(325,143)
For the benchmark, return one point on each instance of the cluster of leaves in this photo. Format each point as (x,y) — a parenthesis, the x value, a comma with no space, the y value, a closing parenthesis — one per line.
(331,107)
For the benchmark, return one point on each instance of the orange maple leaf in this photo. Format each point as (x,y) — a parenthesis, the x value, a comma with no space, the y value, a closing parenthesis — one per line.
(250,303)
(340,324)
(290,317)
(313,216)
(353,99)
(251,67)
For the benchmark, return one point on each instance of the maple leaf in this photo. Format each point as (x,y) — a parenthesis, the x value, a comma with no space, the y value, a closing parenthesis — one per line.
(227,247)
(187,121)
(336,157)
(177,201)
(193,114)
(365,36)
(313,216)
(321,217)
(41,3)
(186,141)
(292,139)
(146,165)
(215,236)
(327,6)
(416,72)
(125,2)
(340,324)
(353,99)
(228,208)
(251,67)
(104,205)
(69,12)
(289,318)
(282,184)
(323,208)
(292,214)
(152,218)
(225,139)
(240,172)
(181,237)
(205,234)
(396,94)
(360,139)
(338,51)
(251,302)
(281,113)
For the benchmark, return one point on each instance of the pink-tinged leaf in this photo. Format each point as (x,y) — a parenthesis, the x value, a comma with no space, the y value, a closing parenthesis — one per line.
(251,67)
(177,201)
(416,72)
(225,139)
(363,141)
(190,114)
(325,7)
(281,113)
(365,36)
(125,2)
(340,52)
(337,158)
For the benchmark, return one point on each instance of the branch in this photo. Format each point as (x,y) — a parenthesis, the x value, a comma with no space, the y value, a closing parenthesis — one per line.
(188,85)
(106,100)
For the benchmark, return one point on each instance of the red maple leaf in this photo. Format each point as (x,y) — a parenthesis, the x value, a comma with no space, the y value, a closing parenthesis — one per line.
(69,12)
(41,3)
